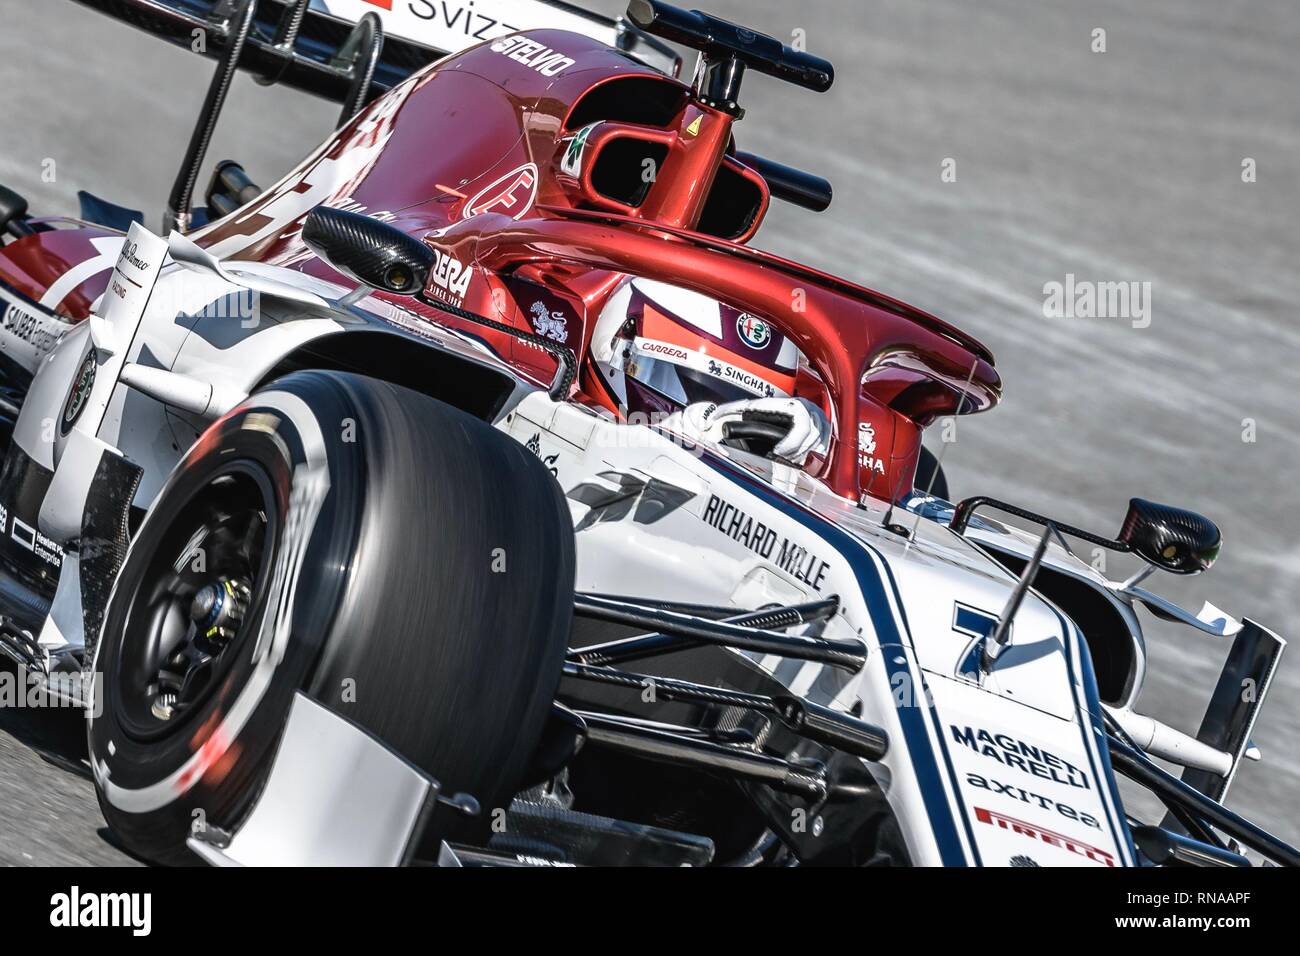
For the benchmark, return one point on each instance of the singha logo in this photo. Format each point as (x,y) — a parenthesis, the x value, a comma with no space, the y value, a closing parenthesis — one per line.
(867,448)
(867,438)
(534,445)
(551,325)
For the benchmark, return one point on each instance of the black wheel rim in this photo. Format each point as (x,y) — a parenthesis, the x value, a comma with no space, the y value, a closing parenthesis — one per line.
(195,607)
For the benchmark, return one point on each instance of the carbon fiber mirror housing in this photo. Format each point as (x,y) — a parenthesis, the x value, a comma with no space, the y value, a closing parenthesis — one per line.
(13,212)
(1173,539)
(371,252)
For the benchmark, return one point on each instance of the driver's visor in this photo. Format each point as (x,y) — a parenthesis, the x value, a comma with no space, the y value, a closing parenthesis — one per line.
(694,375)
(659,339)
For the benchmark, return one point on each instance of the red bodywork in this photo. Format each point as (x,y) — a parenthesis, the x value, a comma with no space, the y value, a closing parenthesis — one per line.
(477,155)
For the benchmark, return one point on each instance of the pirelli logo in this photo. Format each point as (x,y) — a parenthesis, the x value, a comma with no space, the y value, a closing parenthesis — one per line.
(1050,837)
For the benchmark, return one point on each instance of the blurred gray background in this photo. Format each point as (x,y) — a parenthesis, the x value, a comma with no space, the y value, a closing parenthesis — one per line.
(1117,166)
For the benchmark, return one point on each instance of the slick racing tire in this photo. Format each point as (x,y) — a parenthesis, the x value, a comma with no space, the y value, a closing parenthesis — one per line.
(398,561)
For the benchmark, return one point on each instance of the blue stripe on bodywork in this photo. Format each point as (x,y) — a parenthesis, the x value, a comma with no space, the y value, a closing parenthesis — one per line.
(1119,832)
(942,821)
(934,715)
(1092,699)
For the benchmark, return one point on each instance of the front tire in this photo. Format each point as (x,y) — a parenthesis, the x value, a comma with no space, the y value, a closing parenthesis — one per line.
(399,561)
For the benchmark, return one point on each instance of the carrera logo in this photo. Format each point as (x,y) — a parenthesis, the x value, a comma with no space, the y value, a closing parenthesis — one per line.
(533,55)
(1050,837)
(661,348)
(512,195)
(450,278)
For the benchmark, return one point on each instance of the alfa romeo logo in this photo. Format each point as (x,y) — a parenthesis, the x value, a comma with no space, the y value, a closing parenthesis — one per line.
(78,395)
(755,332)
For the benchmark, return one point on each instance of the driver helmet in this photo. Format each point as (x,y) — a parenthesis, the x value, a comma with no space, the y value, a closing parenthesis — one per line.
(658,348)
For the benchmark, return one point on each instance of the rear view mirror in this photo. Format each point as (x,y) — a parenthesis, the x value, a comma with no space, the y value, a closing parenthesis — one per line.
(371,252)
(1173,539)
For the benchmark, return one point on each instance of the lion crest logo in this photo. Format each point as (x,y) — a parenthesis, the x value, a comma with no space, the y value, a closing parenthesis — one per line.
(548,324)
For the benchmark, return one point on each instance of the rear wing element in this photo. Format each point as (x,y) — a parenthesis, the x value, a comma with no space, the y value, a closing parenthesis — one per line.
(303,43)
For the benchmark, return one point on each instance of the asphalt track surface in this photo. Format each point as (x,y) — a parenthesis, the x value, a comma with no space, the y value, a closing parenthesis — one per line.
(1123,165)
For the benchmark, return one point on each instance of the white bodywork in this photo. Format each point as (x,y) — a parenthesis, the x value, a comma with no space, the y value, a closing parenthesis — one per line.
(984,772)
(1006,768)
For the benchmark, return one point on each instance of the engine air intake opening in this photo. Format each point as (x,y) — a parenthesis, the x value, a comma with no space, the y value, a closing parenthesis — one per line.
(633,99)
(734,204)
(625,169)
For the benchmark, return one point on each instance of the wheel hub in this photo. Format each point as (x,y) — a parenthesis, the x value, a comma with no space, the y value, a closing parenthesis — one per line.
(216,613)
(218,609)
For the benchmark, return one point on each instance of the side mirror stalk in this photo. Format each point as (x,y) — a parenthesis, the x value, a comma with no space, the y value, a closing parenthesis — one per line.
(1169,538)
(381,257)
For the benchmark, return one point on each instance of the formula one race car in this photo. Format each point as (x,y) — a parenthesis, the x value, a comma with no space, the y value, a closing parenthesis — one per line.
(364,513)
